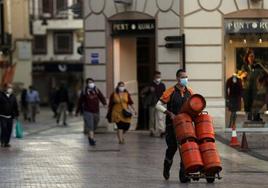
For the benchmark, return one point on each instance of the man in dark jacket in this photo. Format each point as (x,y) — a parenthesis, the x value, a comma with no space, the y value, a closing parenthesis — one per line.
(62,100)
(174,98)
(8,111)
(151,95)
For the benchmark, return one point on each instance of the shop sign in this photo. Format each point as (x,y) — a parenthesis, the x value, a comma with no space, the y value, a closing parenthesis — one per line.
(133,27)
(246,26)
(58,67)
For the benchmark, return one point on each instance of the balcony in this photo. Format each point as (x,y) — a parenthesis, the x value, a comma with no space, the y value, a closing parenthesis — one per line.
(39,28)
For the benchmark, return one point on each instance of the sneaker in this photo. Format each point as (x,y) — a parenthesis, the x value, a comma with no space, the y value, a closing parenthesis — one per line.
(167,166)
(182,176)
(7,145)
(162,134)
(91,142)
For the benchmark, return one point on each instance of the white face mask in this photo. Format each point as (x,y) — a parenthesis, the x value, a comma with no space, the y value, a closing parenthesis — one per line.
(9,90)
(158,80)
(234,79)
(91,85)
(121,89)
(184,81)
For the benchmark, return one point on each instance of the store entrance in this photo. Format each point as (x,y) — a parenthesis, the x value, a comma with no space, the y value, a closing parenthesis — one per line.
(134,64)
(145,73)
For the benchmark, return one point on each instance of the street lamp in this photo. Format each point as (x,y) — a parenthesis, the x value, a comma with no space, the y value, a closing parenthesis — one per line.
(44,18)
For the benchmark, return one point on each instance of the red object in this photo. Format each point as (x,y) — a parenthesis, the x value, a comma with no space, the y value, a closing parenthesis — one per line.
(194,105)
(204,128)
(210,157)
(8,74)
(234,141)
(184,128)
(191,157)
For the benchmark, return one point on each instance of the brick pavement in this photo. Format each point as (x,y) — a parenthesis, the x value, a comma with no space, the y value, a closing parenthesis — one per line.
(61,157)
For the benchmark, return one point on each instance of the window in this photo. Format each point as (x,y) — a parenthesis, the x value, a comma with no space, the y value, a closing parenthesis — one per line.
(77,9)
(61,4)
(63,42)
(61,10)
(47,6)
(39,44)
(54,7)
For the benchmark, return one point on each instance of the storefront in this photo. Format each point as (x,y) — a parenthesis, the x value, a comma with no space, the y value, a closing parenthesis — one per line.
(48,76)
(248,37)
(112,44)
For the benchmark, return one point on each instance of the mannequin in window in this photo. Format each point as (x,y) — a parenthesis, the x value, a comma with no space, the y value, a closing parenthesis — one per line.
(233,96)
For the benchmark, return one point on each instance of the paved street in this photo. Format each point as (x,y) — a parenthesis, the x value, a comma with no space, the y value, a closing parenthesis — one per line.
(61,157)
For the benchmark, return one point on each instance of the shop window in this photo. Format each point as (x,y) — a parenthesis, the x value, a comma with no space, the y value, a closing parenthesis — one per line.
(63,42)
(39,44)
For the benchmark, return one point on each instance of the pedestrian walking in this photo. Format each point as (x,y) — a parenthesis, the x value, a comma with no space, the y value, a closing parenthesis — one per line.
(120,106)
(62,100)
(233,96)
(52,101)
(89,102)
(174,98)
(24,104)
(151,95)
(8,112)
(33,103)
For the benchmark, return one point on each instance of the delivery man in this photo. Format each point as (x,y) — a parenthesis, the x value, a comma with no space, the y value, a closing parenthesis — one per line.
(174,98)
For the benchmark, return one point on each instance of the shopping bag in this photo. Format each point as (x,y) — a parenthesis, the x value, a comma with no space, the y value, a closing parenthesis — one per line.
(19,130)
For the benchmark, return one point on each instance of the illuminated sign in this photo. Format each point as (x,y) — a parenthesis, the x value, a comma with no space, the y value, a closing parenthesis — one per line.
(246,25)
(133,27)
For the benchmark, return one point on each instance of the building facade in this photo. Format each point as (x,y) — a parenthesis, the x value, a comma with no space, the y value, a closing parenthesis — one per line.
(126,40)
(57,36)
(15,43)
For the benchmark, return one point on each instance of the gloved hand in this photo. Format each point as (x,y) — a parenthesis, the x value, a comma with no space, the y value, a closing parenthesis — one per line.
(170,114)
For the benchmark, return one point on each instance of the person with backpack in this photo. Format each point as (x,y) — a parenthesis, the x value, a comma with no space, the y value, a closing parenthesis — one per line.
(89,101)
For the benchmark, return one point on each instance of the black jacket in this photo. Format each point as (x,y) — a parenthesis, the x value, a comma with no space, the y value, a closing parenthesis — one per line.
(8,105)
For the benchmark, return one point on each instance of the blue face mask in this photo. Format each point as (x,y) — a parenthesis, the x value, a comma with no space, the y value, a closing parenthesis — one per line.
(184,81)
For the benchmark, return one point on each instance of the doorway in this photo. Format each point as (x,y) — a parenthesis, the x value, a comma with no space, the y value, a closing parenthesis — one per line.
(145,74)
(134,64)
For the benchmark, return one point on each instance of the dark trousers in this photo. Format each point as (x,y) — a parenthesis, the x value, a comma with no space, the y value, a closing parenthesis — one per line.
(232,119)
(6,129)
(171,143)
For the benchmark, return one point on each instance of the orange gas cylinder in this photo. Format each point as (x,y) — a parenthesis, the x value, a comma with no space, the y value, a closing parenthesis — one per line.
(204,128)
(191,157)
(184,128)
(194,105)
(211,159)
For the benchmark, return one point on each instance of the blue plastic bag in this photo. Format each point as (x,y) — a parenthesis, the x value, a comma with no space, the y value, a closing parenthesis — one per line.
(19,130)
